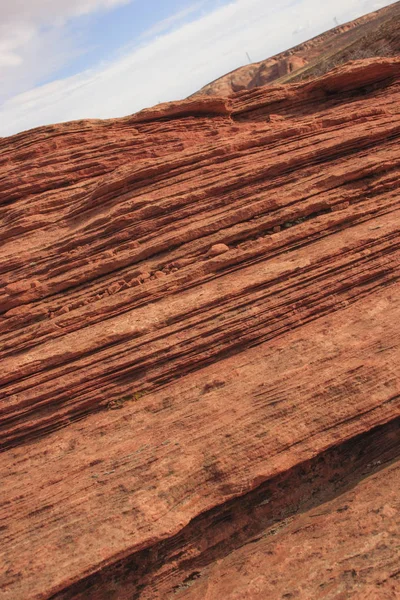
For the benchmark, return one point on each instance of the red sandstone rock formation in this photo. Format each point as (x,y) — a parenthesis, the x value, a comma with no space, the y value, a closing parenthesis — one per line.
(375,34)
(200,309)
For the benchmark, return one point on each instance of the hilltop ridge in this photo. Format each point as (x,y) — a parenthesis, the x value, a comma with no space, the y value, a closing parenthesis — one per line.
(372,35)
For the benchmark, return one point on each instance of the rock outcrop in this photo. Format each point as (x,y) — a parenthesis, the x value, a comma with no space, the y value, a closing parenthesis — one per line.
(375,34)
(200,344)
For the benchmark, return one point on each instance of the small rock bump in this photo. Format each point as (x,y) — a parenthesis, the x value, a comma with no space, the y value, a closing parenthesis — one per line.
(217,249)
(340,206)
(114,288)
(182,262)
(144,276)
(19,287)
(276,118)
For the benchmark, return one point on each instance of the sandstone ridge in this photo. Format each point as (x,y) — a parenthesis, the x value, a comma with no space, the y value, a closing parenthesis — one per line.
(200,348)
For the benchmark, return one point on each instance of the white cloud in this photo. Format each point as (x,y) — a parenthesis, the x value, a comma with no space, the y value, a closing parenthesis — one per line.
(302,28)
(40,11)
(178,63)
(173,20)
(33,39)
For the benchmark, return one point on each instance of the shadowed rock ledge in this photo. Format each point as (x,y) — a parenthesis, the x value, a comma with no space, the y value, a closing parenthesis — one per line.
(199,342)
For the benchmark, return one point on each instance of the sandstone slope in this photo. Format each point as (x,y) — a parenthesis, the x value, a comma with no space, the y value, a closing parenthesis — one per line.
(200,344)
(375,34)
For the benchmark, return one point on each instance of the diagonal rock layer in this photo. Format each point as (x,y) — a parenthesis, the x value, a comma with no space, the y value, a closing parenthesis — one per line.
(200,343)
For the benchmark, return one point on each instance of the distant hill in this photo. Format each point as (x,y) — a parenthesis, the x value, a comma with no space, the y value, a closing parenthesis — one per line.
(375,34)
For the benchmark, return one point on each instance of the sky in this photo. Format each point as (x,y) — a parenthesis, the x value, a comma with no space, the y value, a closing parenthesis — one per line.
(62,60)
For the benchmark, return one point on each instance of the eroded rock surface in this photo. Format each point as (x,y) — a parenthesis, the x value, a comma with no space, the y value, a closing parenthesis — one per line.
(200,338)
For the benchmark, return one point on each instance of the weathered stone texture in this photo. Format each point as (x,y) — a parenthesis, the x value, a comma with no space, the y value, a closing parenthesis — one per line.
(197,302)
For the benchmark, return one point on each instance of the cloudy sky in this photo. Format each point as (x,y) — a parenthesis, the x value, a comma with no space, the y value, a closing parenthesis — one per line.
(73,59)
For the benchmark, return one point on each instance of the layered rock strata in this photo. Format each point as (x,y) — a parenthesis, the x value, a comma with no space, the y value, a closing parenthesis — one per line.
(200,346)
